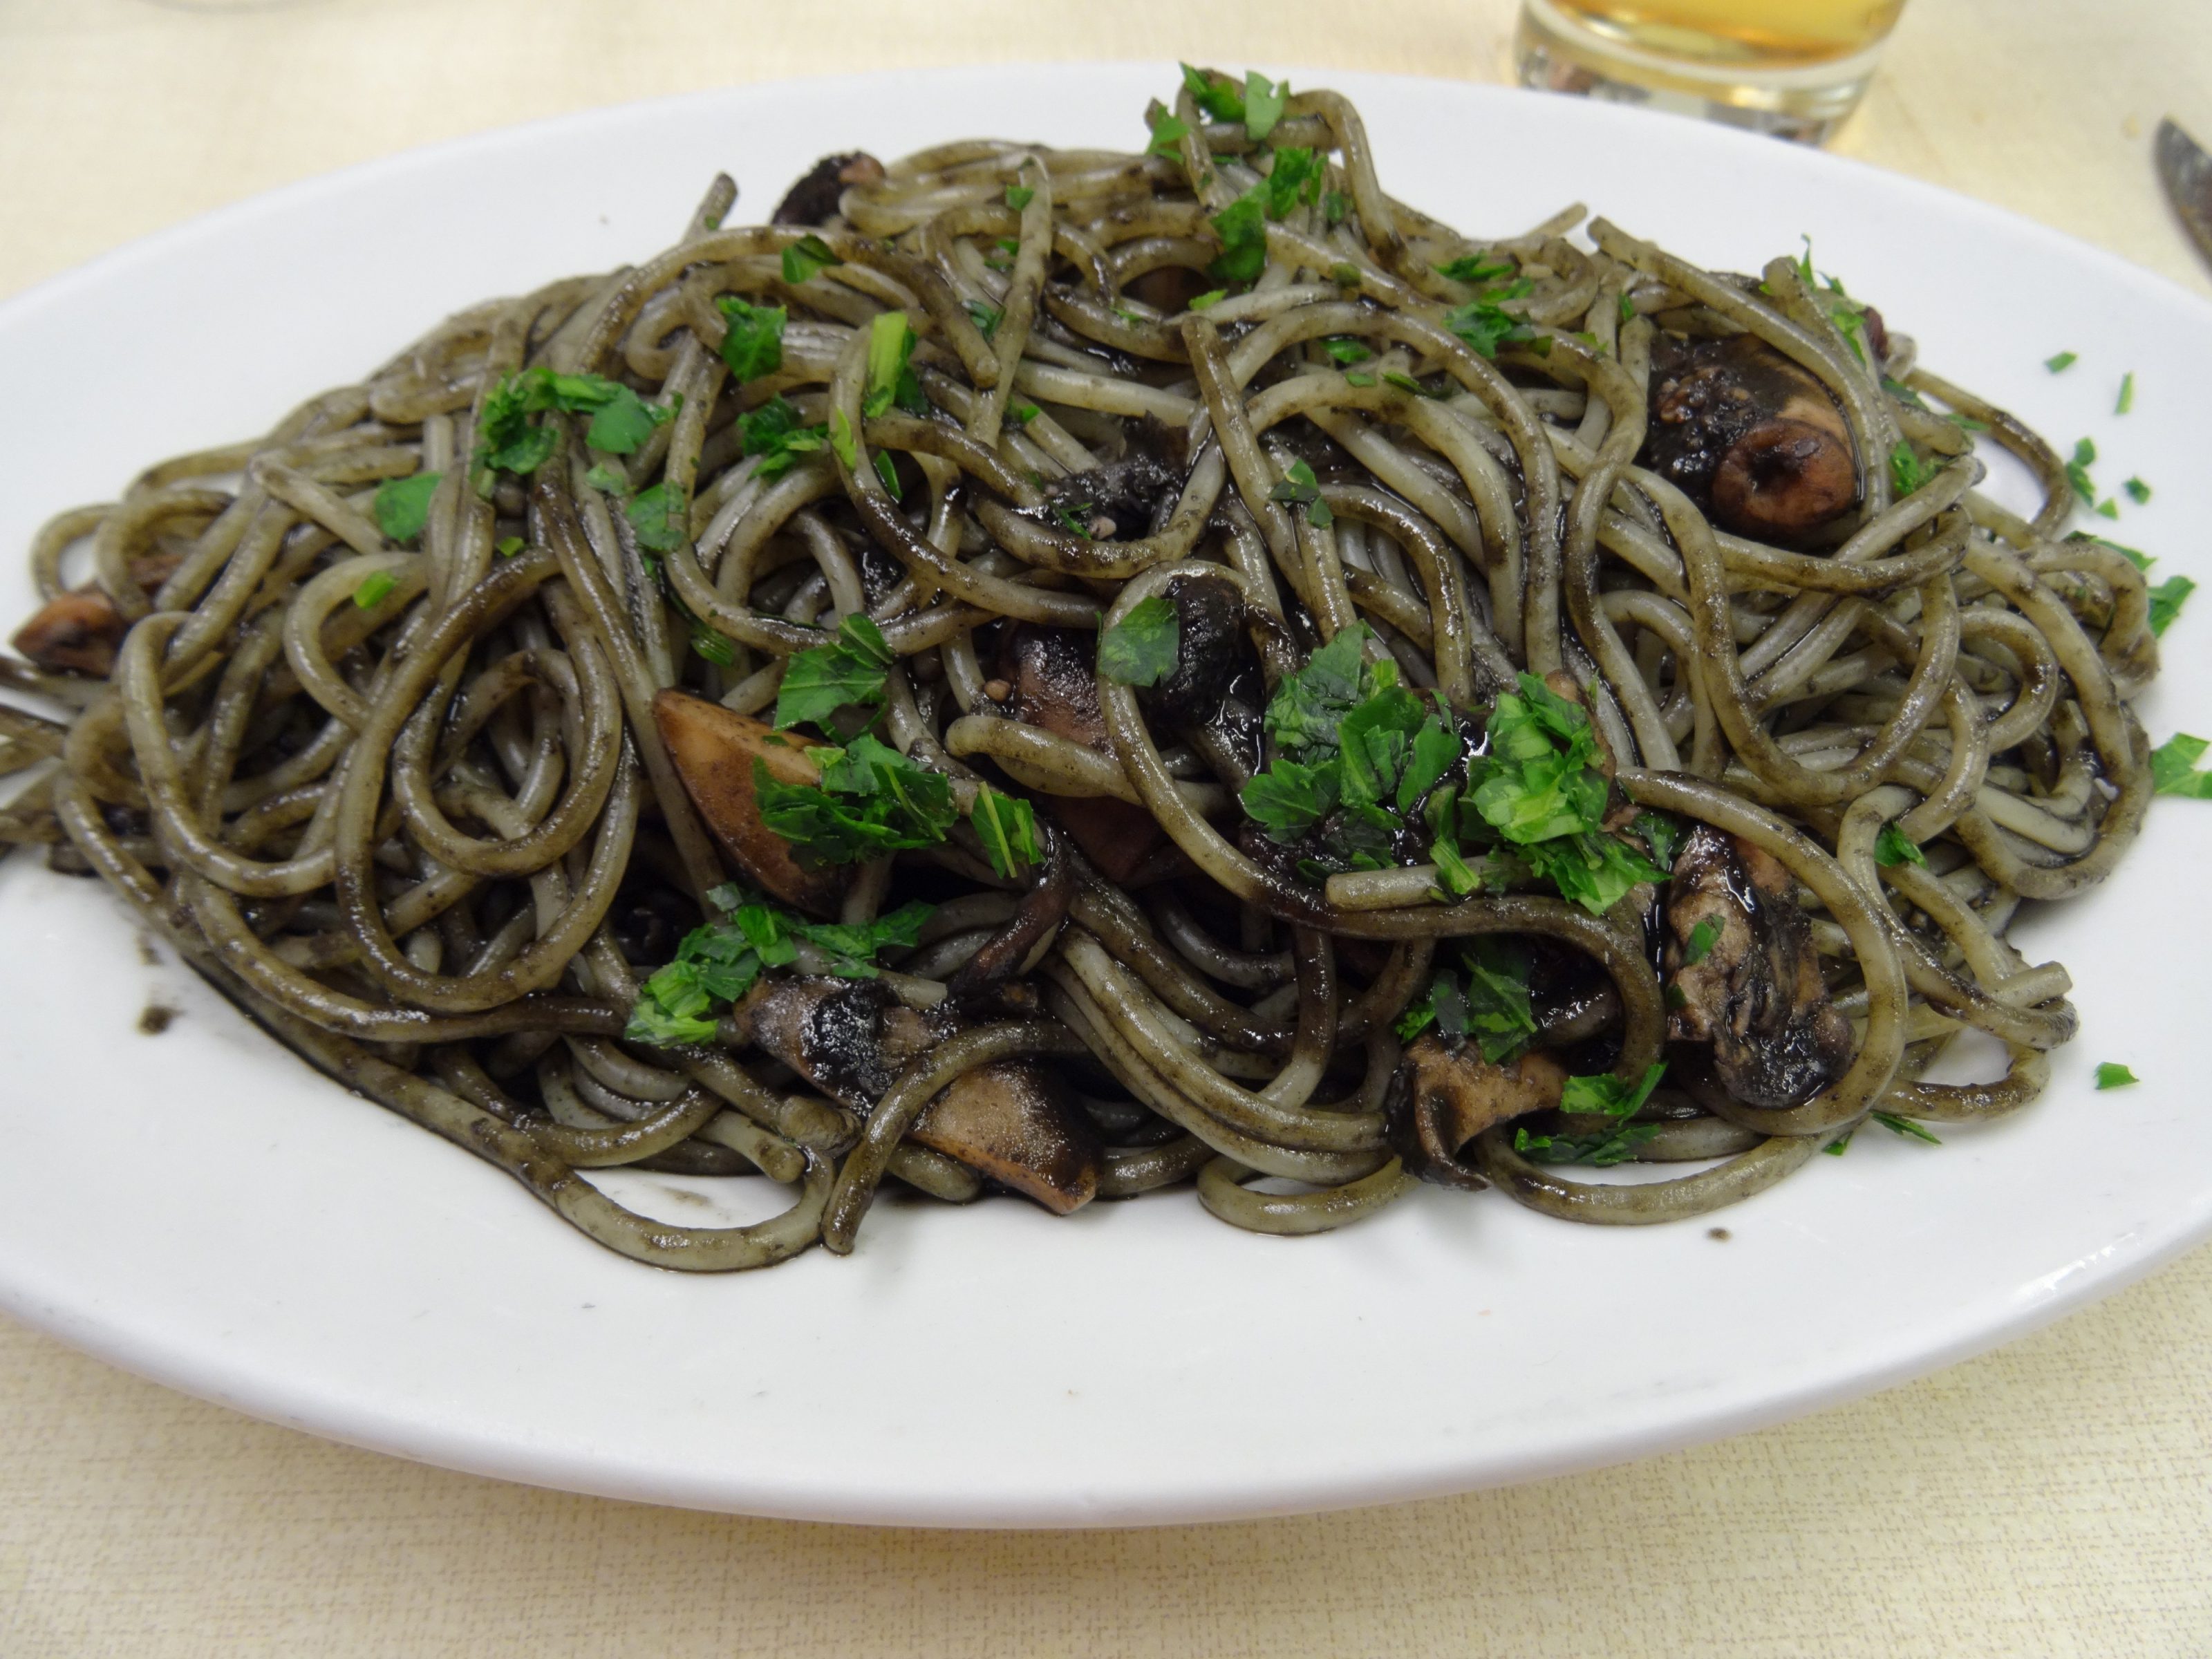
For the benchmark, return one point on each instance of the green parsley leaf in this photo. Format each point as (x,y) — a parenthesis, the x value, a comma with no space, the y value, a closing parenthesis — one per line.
(2166,601)
(712,646)
(752,338)
(1219,99)
(1007,825)
(1242,228)
(1019,197)
(872,800)
(1703,938)
(1436,749)
(2127,399)
(1906,395)
(1627,309)
(1353,378)
(849,674)
(1904,1126)
(1590,868)
(772,433)
(887,470)
(2077,472)
(1452,870)
(987,317)
(1839,1145)
(891,379)
(1300,488)
(509,546)
(1892,846)
(807,257)
(612,479)
(2112,1075)
(2138,491)
(1211,297)
(1407,383)
(1616,1145)
(2061,363)
(2109,509)
(1486,325)
(1168,134)
(1347,350)
(1294,181)
(1140,649)
(1289,798)
(1907,471)
(1263,106)
(1661,834)
(842,439)
(1607,1093)
(1477,269)
(1307,706)
(624,421)
(374,589)
(656,516)
(1334,206)
(1023,414)
(401,506)
(2173,768)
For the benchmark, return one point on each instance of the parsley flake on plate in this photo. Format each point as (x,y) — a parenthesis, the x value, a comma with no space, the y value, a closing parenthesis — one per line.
(2173,768)
(1140,648)
(1905,1126)
(2061,363)
(2166,601)
(2126,400)
(2112,1075)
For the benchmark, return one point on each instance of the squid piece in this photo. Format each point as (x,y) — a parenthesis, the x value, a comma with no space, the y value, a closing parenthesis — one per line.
(713,750)
(1744,975)
(1442,1098)
(1745,432)
(79,632)
(813,199)
(1009,1120)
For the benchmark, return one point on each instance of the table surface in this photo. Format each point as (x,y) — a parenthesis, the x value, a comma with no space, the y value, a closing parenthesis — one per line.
(2051,1499)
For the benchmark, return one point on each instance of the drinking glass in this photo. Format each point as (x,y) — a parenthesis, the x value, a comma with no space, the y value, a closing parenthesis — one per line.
(1792,68)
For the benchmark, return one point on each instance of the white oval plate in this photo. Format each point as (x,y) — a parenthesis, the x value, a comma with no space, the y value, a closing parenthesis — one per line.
(200,1208)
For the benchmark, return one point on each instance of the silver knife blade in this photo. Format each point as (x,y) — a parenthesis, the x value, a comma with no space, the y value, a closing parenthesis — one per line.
(2186,171)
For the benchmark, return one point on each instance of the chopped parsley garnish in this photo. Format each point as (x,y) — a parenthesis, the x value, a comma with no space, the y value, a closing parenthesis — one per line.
(374,589)
(2138,491)
(987,317)
(719,962)
(401,506)
(848,674)
(2127,397)
(2173,768)
(1892,846)
(1345,350)
(887,470)
(1848,315)
(513,439)
(1209,298)
(509,546)
(1019,197)
(1221,99)
(2140,561)
(1242,228)
(1538,791)
(2166,601)
(2077,470)
(1476,269)
(1263,106)
(1353,377)
(1904,1126)
(752,338)
(1603,1093)
(1346,274)
(807,257)
(1407,383)
(612,479)
(658,517)
(1007,825)
(1295,180)
(1023,414)
(2061,363)
(1494,1008)
(846,447)
(1839,1145)
(1907,471)
(1168,134)
(1140,648)
(1334,205)
(1627,309)
(1457,876)
(2112,1075)
(872,800)
(712,646)
(891,379)
(772,433)
(1486,325)
(1300,488)
(1661,834)
(1703,938)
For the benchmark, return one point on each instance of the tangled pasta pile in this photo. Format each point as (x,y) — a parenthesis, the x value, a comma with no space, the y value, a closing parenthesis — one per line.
(1079,672)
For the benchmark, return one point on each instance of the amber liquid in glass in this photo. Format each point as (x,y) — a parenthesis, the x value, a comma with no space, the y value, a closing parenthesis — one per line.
(1772,33)
(1789,67)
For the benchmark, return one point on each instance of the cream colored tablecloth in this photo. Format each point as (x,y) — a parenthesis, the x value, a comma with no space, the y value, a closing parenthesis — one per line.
(2053,1498)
